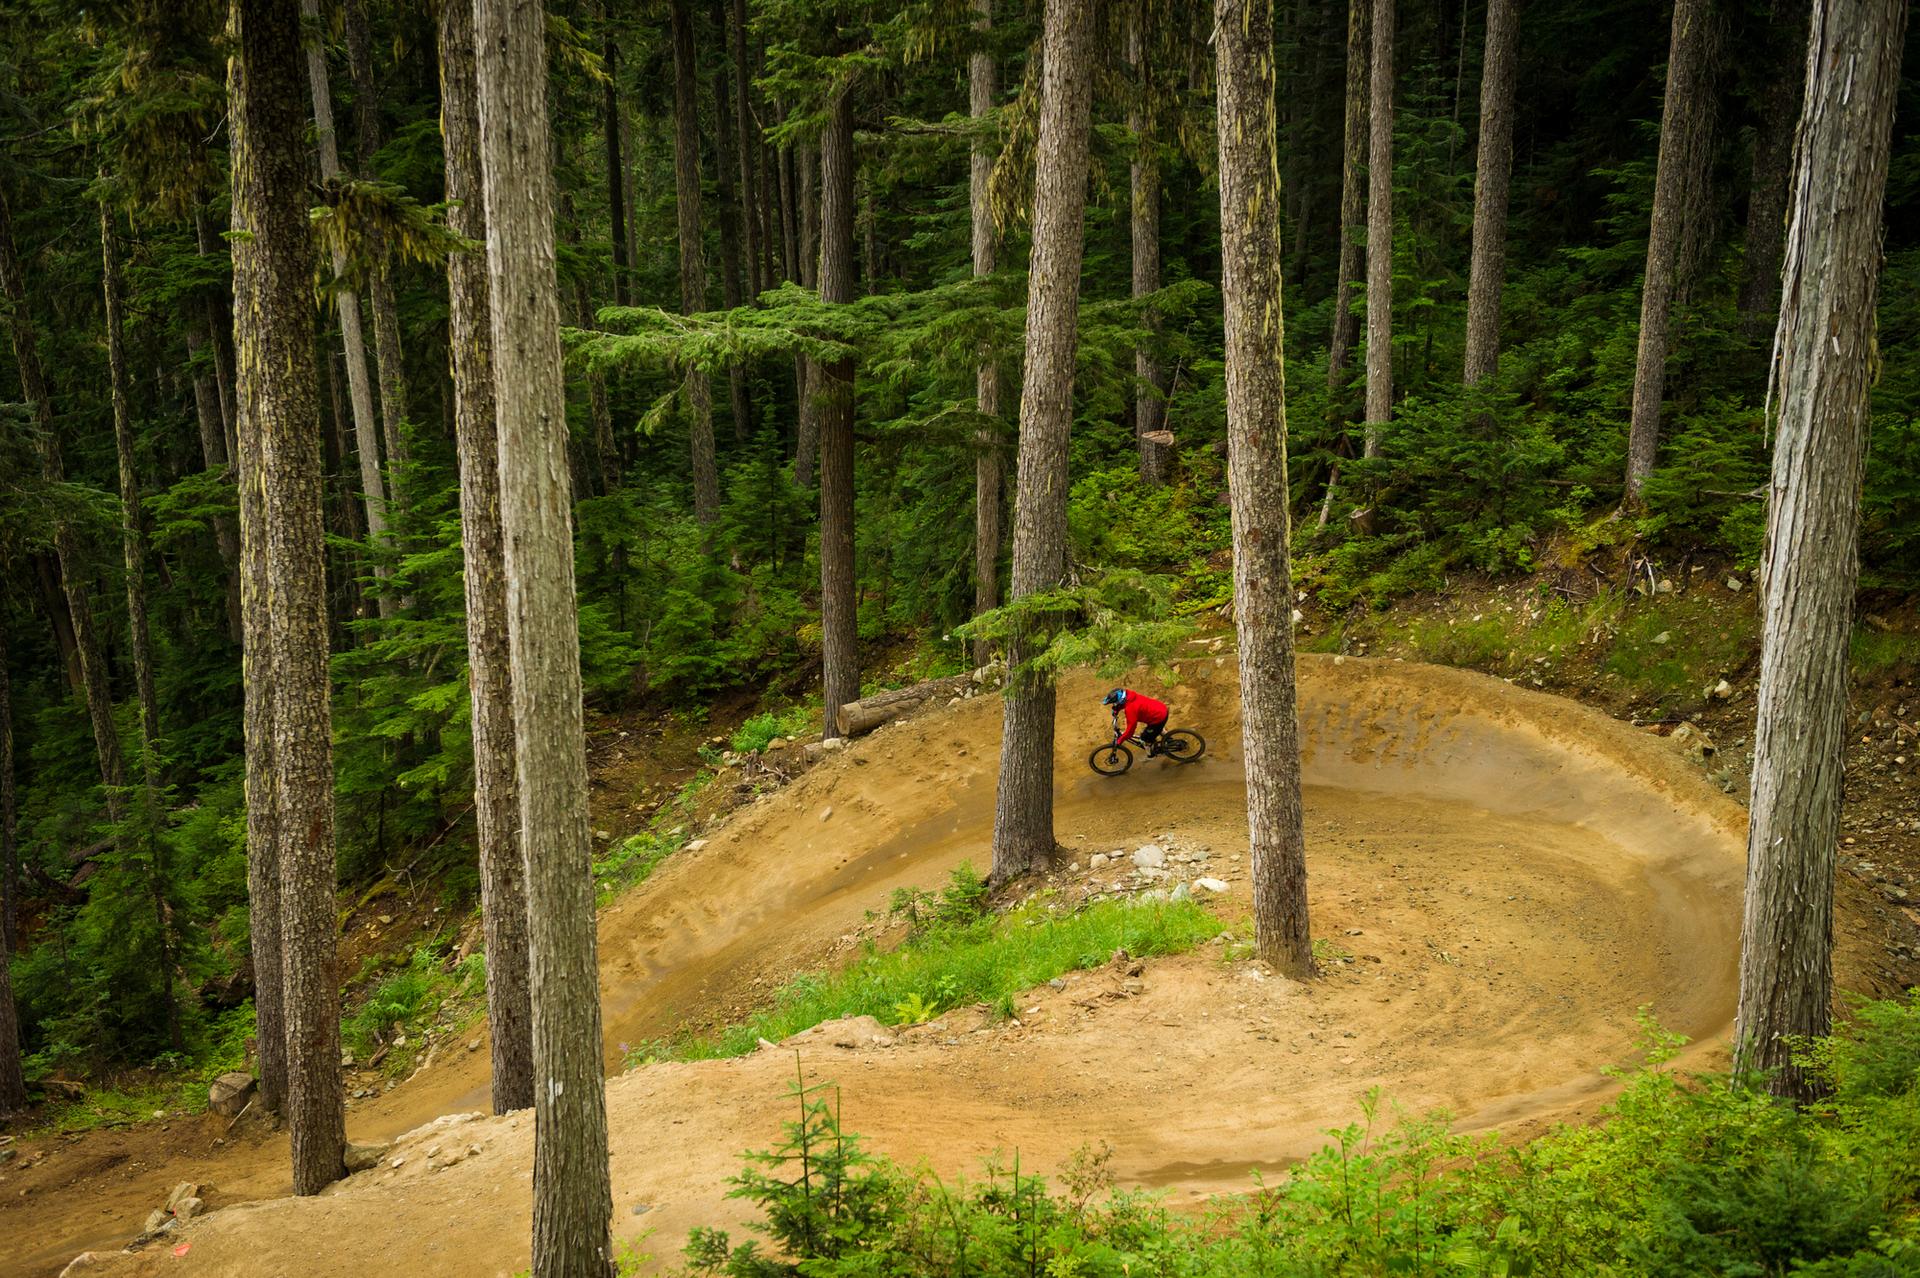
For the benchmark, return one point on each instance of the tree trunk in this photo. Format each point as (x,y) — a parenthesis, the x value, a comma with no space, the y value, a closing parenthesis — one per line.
(213,452)
(1150,402)
(347,301)
(1783,87)
(1825,361)
(220,330)
(133,546)
(13,1083)
(1494,169)
(840,661)
(982,88)
(1250,268)
(496,798)
(693,263)
(857,718)
(572,1198)
(1682,154)
(748,133)
(380,298)
(616,166)
(807,431)
(735,274)
(279,411)
(9,815)
(1023,814)
(72,564)
(1380,227)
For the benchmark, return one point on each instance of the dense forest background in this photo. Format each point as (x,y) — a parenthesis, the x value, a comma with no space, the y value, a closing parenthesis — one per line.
(698,553)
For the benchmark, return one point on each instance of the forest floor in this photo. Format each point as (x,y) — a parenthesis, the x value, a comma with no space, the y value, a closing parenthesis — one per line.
(1500,880)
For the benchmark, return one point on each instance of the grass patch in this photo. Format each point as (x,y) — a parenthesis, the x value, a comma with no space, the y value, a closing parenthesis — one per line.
(753,735)
(631,862)
(1877,652)
(987,960)
(410,997)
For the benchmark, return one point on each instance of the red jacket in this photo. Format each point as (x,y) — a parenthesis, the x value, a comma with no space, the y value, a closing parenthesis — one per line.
(1142,709)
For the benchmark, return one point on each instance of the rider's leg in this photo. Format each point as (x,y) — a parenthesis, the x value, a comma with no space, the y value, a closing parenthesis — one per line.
(1150,734)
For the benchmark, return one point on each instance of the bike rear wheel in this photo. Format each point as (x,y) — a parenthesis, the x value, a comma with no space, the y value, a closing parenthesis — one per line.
(1183,745)
(1111,760)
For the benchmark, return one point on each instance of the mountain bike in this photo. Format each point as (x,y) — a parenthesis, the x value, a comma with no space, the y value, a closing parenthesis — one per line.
(1181,745)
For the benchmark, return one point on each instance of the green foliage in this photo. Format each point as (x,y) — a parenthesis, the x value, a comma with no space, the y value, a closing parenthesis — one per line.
(411,995)
(984,960)
(1685,1176)
(631,861)
(752,736)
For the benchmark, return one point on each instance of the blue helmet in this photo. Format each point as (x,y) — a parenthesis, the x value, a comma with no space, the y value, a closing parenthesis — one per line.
(1116,698)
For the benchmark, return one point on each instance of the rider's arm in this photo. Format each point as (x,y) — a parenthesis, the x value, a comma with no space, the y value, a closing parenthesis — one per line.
(1133,718)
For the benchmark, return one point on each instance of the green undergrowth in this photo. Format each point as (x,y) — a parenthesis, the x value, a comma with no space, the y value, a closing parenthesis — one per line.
(1686,1176)
(954,957)
(415,991)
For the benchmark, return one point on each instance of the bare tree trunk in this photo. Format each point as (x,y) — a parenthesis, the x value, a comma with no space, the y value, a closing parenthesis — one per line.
(1682,153)
(807,439)
(1824,362)
(1023,813)
(1380,227)
(748,133)
(496,798)
(1494,168)
(67,553)
(839,655)
(982,88)
(1780,98)
(1352,201)
(220,331)
(1150,401)
(616,165)
(213,451)
(693,263)
(572,1198)
(365,432)
(735,222)
(279,411)
(133,545)
(13,1082)
(380,298)
(1250,263)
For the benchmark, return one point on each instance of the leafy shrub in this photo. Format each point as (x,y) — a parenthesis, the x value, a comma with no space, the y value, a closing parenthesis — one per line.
(753,735)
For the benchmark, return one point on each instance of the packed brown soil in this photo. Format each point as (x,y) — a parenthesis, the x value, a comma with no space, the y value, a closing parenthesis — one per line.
(1512,875)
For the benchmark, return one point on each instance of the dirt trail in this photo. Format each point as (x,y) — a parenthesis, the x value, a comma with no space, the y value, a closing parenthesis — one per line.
(1516,875)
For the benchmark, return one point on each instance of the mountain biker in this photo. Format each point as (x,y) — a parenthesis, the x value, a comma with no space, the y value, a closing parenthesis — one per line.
(1142,711)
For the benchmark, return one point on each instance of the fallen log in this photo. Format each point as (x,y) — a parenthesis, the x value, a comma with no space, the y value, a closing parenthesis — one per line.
(857,718)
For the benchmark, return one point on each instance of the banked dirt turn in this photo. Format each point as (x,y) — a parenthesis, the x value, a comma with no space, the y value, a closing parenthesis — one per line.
(1515,876)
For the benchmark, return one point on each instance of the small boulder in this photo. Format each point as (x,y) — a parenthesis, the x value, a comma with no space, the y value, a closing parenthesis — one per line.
(1664,637)
(1181,892)
(1210,885)
(85,1262)
(1150,856)
(230,1093)
(1721,691)
(181,1192)
(1097,860)
(188,1208)
(696,845)
(157,1219)
(365,1157)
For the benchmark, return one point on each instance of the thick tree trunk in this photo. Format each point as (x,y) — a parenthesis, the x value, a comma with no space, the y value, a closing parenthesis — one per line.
(1682,156)
(1494,168)
(748,134)
(1023,813)
(1825,362)
(1150,399)
(1250,269)
(279,411)
(839,637)
(366,432)
(1380,226)
(693,262)
(1780,98)
(1352,205)
(857,718)
(572,1198)
(133,546)
(496,797)
(982,88)
(77,593)
(735,219)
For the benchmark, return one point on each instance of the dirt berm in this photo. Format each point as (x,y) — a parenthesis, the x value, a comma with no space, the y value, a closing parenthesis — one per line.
(1512,875)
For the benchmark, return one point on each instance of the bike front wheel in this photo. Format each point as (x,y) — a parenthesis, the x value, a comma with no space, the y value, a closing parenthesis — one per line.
(1111,760)
(1183,745)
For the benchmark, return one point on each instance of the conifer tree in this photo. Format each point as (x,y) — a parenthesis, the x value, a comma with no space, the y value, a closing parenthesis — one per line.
(839,634)
(1023,813)
(693,262)
(572,1197)
(1825,362)
(279,427)
(982,86)
(1487,273)
(1250,273)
